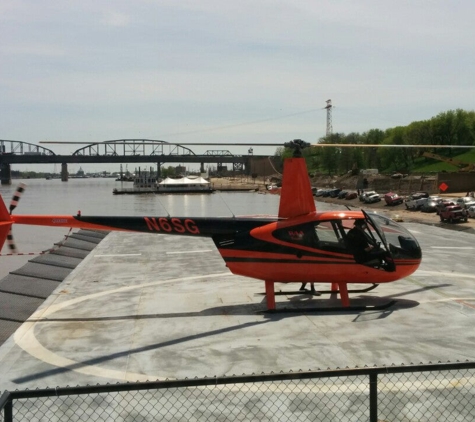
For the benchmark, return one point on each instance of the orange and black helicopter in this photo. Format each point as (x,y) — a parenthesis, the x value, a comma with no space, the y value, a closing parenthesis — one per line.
(299,245)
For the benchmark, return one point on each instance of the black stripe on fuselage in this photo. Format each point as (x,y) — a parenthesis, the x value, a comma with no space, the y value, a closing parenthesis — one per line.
(300,261)
(288,261)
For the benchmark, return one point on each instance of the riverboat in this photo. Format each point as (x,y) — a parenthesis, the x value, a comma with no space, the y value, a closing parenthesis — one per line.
(169,185)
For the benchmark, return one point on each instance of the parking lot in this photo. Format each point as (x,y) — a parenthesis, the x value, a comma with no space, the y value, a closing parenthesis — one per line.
(401,213)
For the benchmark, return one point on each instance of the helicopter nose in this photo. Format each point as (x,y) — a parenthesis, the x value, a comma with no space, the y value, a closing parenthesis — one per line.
(410,246)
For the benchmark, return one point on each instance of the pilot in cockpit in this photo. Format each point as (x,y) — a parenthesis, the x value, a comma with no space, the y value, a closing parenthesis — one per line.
(365,250)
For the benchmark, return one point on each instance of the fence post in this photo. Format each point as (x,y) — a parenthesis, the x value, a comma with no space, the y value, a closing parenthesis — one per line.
(8,412)
(6,403)
(373,397)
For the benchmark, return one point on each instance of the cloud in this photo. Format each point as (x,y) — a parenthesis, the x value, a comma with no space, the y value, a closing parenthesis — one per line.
(185,66)
(115,19)
(33,49)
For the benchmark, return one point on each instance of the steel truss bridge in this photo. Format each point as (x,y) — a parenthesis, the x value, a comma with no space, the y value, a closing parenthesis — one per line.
(117,151)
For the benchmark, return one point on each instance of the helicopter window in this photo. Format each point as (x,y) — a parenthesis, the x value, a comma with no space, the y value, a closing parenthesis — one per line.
(326,235)
(326,232)
(303,234)
(329,233)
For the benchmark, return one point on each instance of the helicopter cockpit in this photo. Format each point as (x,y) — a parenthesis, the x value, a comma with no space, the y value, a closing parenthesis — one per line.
(332,236)
(397,240)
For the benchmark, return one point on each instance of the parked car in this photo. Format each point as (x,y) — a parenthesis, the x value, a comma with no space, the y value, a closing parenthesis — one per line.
(430,204)
(319,192)
(334,192)
(351,195)
(371,198)
(471,211)
(392,198)
(453,214)
(364,194)
(444,203)
(342,194)
(416,200)
(420,195)
(465,201)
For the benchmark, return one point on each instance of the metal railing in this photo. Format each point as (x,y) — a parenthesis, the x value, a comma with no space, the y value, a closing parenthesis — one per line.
(431,392)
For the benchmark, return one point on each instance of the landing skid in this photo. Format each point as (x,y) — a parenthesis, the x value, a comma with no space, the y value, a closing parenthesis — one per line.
(298,292)
(322,292)
(367,289)
(336,289)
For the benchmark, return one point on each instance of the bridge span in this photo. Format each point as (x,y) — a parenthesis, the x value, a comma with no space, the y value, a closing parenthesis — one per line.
(118,151)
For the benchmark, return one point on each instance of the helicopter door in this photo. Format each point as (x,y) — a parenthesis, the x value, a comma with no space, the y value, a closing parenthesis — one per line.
(378,231)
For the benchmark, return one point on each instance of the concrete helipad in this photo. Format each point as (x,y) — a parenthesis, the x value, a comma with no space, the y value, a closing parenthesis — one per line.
(147,307)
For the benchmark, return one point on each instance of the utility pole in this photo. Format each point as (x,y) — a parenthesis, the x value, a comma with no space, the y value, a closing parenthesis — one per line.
(329,118)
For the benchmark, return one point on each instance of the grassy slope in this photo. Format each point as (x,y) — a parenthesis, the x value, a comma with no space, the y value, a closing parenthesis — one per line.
(429,165)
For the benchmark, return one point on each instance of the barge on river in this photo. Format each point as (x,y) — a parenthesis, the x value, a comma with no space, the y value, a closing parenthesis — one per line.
(169,185)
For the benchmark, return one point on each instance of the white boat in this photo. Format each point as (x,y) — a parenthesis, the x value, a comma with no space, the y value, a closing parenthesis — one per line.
(184,185)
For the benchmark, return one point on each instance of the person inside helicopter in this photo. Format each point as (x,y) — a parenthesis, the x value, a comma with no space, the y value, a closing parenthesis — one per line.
(365,249)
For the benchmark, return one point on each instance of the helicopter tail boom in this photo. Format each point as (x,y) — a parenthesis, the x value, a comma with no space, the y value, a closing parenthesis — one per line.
(185,226)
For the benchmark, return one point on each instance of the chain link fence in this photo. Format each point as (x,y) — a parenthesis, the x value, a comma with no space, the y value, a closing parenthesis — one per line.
(434,392)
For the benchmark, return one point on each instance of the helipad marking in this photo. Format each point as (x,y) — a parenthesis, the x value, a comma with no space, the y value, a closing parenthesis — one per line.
(449,299)
(422,273)
(452,247)
(117,254)
(186,252)
(25,337)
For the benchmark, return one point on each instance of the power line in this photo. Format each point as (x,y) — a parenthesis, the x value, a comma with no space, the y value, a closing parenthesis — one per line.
(253,122)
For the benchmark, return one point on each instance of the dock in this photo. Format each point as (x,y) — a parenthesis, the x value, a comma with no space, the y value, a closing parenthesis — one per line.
(158,191)
(25,289)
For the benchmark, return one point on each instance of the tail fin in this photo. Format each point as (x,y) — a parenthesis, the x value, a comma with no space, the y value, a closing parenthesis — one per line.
(5,222)
(296,196)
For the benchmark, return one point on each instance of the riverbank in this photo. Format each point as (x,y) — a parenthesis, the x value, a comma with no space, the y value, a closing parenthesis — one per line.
(229,184)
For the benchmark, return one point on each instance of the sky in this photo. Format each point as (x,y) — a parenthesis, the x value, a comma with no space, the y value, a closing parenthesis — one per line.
(229,72)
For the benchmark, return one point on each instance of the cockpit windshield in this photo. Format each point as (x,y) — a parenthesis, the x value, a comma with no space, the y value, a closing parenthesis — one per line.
(396,238)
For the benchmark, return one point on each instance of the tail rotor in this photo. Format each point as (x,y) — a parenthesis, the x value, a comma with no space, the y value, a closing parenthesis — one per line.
(11,243)
(16,197)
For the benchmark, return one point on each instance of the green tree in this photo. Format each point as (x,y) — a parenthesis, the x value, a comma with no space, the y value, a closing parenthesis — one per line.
(395,159)
(371,157)
(168,172)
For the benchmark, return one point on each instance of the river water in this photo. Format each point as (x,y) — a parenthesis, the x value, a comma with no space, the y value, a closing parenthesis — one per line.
(94,196)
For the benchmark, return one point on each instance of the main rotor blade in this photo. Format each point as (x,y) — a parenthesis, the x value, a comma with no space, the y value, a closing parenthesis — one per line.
(260,144)
(391,146)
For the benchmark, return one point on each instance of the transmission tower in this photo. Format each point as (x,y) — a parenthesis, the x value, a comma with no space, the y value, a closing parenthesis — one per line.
(329,118)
